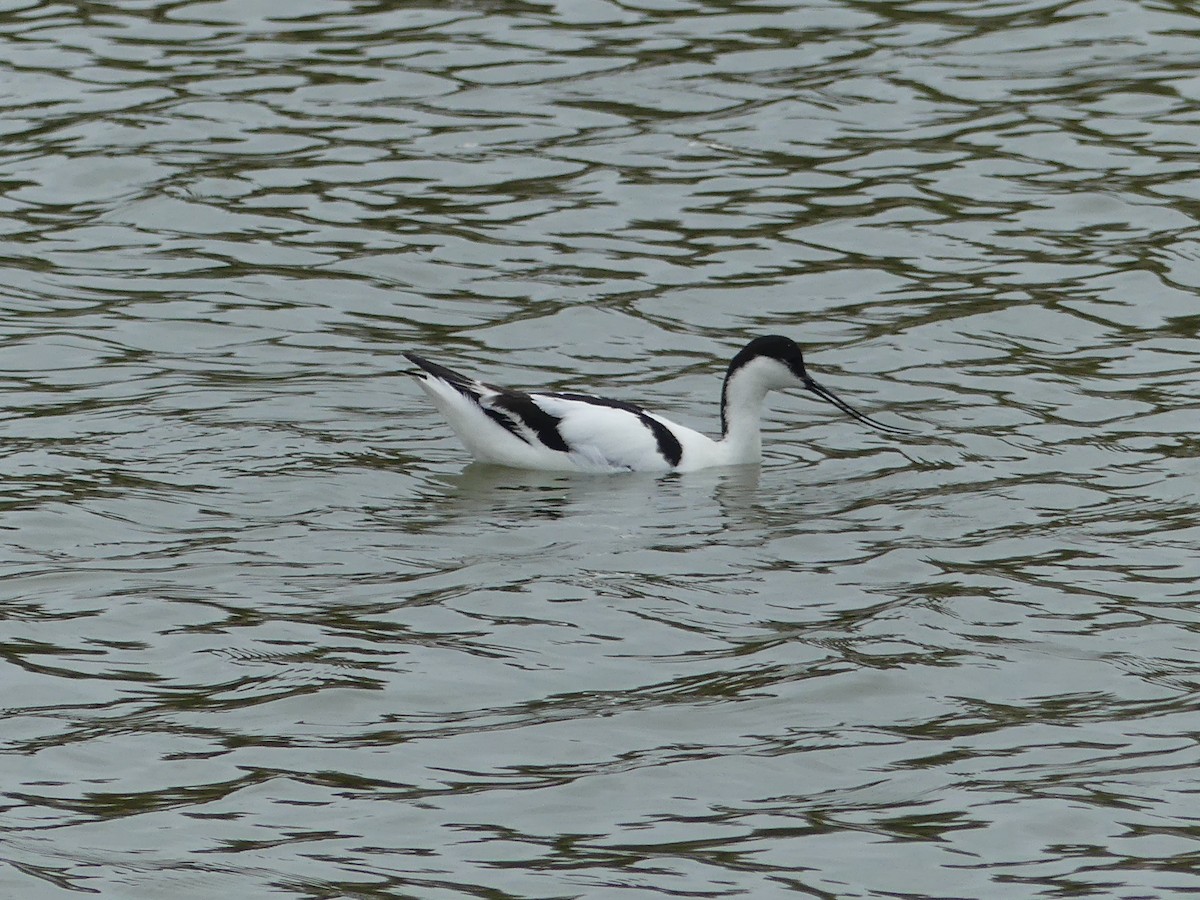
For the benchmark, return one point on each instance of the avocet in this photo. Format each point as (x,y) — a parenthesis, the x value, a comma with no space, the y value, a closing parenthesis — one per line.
(564,431)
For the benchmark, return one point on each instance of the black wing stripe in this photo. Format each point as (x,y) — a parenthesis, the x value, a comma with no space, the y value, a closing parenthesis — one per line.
(504,422)
(540,422)
(669,447)
(668,444)
(507,407)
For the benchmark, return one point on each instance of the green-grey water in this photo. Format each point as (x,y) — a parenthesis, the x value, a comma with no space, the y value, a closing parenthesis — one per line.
(265,632)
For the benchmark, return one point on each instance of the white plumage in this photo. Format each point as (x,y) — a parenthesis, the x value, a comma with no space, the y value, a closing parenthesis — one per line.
(576,432)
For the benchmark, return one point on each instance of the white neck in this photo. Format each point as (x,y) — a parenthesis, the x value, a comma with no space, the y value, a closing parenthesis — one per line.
(742,406)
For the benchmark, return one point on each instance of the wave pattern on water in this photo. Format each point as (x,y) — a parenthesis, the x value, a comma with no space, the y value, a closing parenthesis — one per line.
(265,635)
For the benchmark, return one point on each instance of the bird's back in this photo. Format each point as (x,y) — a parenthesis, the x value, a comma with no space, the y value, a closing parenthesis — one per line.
(556,431)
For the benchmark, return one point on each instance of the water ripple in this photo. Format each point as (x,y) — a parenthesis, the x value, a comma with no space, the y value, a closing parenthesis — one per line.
(265,634)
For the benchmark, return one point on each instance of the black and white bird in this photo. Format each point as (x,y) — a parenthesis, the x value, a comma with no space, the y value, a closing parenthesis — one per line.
(560,431)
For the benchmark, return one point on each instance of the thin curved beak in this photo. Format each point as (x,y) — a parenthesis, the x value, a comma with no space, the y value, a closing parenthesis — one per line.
(830,397)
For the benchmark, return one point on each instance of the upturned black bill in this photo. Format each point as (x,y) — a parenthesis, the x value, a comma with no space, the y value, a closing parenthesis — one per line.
(830,397)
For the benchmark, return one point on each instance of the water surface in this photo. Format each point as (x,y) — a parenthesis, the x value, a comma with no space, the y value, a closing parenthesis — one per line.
(266,633)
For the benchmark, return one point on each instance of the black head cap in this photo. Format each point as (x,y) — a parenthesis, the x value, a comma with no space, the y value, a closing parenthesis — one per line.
(774,346)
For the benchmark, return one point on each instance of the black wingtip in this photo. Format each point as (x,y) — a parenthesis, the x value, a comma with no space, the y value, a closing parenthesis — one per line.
(416,360)
(447,375)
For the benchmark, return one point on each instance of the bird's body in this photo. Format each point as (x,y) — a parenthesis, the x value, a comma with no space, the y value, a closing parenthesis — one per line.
(576,432)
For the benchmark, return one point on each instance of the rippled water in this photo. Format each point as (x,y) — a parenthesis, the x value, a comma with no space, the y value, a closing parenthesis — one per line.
(266,635)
